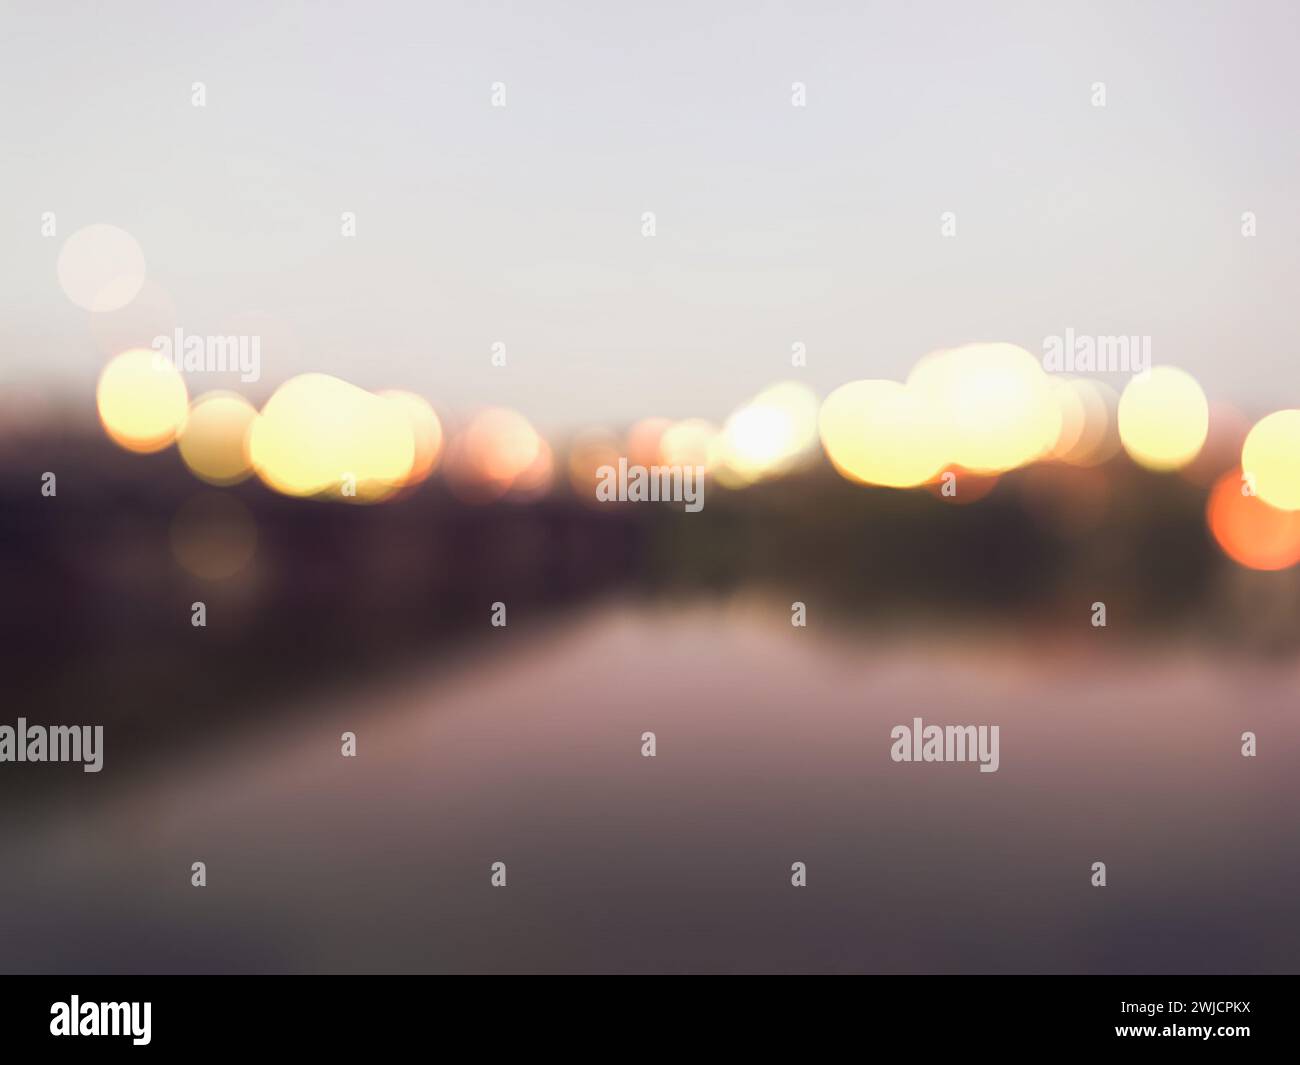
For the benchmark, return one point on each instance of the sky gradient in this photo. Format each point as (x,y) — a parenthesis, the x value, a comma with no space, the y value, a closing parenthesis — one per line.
(775,224)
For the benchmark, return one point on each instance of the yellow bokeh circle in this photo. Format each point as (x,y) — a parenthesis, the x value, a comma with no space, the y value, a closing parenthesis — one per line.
(882,432)
(142,400)
(214,442)
(1270,457)
(1163,418)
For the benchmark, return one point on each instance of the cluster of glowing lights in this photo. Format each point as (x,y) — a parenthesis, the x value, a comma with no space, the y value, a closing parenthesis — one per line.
(994,405)
(316,436)
(321,436)
(1089,434)
(1254,511)
(990,408)
(980,408)
(690,442)
(974,412)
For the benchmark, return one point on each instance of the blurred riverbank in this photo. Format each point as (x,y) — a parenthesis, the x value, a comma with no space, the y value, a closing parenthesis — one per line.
(772,747)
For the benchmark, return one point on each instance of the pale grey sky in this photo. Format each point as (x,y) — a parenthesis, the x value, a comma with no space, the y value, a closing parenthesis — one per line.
(775,224)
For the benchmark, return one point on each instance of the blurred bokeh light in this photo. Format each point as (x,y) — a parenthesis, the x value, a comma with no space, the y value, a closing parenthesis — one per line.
(1271,459)
(319,435)
(993,402)
(1250,531)
(769,435)
(882,432)
(1163,418)
(690,442)
(101,268)
(426,433)
(142,401)
(213,536)
(496,448)
(214,442)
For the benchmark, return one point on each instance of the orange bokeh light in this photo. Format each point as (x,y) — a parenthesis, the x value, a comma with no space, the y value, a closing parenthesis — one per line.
(1249,531)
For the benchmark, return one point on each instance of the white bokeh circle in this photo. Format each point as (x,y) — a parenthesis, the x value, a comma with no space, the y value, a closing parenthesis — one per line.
(101,268)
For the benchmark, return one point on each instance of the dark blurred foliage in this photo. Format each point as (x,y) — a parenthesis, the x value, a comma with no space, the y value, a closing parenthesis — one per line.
(96,620)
